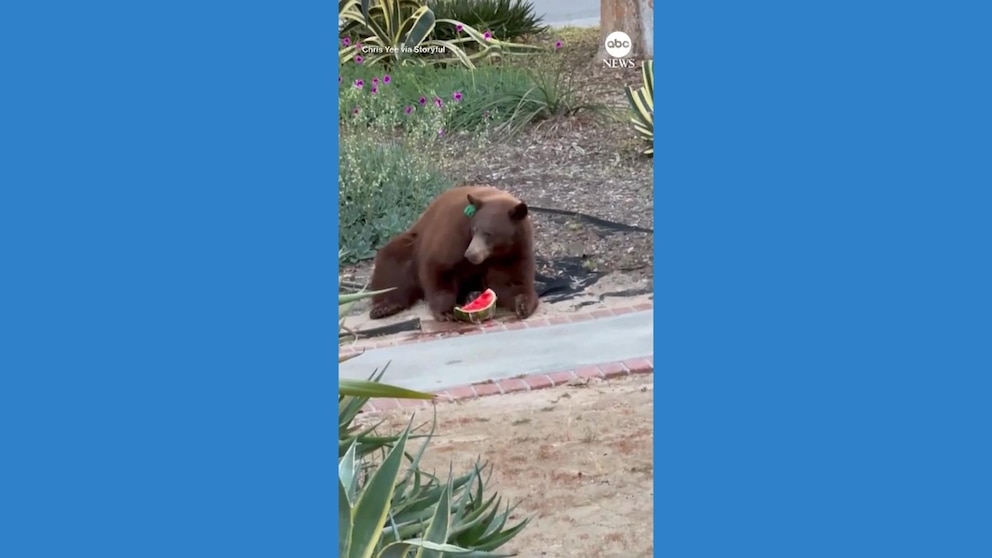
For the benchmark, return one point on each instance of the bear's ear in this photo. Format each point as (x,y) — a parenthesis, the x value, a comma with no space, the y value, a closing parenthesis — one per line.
(474,201)
(518,212)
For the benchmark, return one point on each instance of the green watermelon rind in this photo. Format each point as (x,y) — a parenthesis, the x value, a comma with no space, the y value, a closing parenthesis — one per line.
(480,315)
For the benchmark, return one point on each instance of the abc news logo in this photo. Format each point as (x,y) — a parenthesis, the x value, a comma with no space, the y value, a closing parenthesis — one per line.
(619,45)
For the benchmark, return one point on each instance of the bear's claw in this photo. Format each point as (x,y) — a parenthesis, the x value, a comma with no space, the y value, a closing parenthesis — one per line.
(524,306)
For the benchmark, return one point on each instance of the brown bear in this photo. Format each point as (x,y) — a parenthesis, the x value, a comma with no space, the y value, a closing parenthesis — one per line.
(469,238)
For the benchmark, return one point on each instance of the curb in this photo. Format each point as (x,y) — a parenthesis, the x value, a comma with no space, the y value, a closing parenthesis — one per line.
(604,371)
(436,331)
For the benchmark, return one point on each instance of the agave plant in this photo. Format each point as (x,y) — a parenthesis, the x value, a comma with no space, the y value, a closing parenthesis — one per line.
(383,514)
(400,31)
(352,396)
(642,102)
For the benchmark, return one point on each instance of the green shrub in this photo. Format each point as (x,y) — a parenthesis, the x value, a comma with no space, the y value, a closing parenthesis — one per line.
(382,189)
(519,97)
(507,19)
(389,506)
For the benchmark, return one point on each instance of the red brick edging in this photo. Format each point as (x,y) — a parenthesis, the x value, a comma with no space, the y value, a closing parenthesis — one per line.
(603,371)
(434,330)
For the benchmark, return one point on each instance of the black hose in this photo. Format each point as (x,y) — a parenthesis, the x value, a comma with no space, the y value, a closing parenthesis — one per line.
(591,219)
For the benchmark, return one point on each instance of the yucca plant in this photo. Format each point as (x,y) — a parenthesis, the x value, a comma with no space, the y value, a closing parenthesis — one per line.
(642,102)
(508,19)
(400,31)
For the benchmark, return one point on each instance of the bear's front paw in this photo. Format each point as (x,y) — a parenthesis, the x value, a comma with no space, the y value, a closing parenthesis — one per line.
(524,305)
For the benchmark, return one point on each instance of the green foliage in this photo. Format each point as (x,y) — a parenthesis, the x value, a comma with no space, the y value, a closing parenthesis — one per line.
(388,506)
(426,101)
(400,31)
(383,188)
(507,19)
(543,90)
(642,103)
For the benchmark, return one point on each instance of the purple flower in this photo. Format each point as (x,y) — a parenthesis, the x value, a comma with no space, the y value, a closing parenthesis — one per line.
(356,110)
(487,35)
(458,28)
(408,109)
(359,84)
(359,59)
(438,102)
(422,101)
(346,41)
(559,44)
(440,133)
(375,90)
(375,81)
(386,79)
(457,96)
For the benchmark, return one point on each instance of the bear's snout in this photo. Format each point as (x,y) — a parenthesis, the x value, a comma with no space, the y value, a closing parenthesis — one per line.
(476,257)
(477,251)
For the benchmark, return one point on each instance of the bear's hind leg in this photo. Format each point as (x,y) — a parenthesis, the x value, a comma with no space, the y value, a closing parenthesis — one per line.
(394,268)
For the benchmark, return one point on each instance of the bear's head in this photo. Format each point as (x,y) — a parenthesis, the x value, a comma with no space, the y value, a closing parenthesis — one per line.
(496,226)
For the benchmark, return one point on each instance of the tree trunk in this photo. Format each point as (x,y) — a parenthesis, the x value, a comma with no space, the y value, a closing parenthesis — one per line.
(633,17)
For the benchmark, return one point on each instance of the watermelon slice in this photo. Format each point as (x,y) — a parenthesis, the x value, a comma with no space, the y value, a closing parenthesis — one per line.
(479,310)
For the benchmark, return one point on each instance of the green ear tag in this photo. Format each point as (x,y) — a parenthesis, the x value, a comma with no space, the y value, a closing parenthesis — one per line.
(470,210)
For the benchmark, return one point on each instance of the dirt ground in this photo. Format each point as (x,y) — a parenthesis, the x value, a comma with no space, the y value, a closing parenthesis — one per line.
(577,458)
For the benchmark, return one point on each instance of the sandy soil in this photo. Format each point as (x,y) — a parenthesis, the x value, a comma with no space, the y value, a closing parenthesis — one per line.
(577,458)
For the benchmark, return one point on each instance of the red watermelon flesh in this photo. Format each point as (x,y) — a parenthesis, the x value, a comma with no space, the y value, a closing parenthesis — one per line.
(484,300)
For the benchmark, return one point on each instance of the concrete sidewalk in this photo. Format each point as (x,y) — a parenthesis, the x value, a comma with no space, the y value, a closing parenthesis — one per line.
(455,361)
